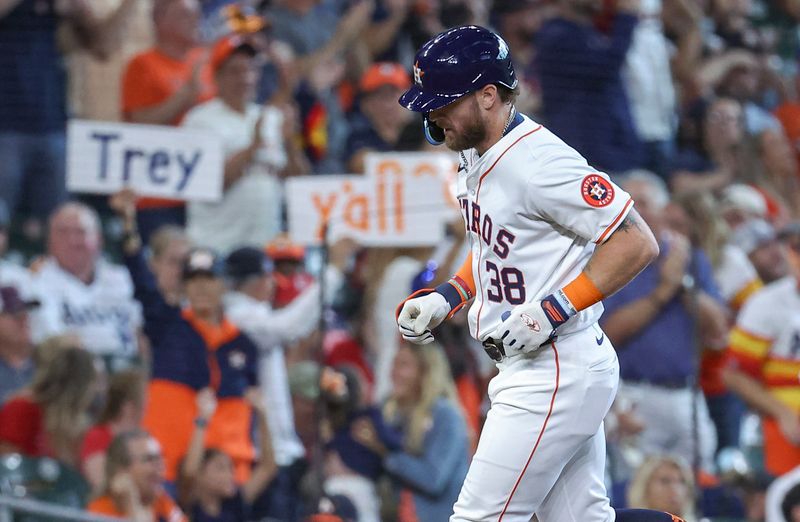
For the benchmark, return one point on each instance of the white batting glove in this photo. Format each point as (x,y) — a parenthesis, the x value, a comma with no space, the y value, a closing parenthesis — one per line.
(528,326)
(420,315)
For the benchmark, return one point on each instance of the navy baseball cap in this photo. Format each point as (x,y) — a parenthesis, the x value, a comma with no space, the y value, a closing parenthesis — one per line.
(202,262)
(12,303)
(455,63)
(247,262)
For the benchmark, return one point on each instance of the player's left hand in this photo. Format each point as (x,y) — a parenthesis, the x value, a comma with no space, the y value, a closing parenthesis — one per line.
(525,328)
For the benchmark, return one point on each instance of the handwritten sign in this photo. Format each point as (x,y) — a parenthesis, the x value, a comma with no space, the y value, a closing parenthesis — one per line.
(404,199)
(154,160)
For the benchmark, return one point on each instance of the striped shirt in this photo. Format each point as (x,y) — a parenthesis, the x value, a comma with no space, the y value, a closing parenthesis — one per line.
(766,340)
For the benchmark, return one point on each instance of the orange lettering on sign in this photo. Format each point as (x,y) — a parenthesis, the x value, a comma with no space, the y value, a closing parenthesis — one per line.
(324,209)
(425,169)
(399,218)
(388,168)
(380,194)
(356,210)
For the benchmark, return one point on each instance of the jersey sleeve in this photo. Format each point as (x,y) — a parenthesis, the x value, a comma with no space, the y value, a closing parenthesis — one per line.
(568,192)
(750,340)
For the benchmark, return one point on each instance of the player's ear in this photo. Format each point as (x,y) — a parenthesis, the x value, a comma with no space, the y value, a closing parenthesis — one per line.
(488,97)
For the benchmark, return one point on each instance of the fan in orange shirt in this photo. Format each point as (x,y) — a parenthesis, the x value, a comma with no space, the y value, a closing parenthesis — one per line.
(161,84)
(134,478)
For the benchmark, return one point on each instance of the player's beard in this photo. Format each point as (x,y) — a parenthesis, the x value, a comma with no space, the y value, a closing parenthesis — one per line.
(474,132)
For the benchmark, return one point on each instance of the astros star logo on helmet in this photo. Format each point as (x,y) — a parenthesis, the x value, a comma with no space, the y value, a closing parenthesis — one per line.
(418,73)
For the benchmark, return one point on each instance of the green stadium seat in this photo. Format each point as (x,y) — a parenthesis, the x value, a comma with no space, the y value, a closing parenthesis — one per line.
(42,479)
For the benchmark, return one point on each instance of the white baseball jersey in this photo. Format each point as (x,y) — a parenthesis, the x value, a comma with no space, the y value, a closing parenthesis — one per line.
(103,313)
(735,276)
(249,212)
(269,329)
(534,210)
(771,318)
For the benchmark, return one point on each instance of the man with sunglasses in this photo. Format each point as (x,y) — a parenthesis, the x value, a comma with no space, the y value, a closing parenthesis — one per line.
(134,481)
(764,367)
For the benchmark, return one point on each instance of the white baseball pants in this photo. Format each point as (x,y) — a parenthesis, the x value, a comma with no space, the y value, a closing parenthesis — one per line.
(542,449)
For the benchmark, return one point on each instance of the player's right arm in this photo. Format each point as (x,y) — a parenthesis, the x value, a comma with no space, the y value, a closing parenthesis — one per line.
(425,309)
(627,251)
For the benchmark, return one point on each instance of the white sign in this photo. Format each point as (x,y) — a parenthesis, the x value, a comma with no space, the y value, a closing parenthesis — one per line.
(153,160)
(404,199)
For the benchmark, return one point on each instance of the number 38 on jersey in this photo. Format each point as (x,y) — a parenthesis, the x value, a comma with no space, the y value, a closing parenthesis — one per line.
(506,283)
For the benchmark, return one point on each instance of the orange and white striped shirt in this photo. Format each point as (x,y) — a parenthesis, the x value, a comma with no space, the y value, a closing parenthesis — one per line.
(765,342)
(736,277)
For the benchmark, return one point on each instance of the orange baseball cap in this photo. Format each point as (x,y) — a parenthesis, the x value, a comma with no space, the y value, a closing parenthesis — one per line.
(384,73)
(283,248)
(226,46)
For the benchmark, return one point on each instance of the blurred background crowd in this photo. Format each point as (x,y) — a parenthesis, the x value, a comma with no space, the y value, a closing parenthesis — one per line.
(164,360)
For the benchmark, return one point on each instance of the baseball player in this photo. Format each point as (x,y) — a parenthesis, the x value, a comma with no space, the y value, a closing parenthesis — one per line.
(549,237)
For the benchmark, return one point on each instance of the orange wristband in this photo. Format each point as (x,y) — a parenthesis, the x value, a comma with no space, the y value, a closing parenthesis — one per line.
(582,293)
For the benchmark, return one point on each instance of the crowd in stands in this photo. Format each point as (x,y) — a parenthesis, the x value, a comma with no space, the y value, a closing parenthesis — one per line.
(183,359)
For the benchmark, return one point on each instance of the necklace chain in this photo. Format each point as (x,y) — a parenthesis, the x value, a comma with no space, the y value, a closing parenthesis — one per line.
(511,114)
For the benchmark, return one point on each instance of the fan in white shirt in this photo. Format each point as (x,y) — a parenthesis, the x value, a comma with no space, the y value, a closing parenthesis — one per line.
(81,293)
(248,306)
(255,151)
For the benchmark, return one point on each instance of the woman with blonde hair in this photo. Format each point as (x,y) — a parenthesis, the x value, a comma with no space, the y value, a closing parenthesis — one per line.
(663,483)
(423,405)
(50,417)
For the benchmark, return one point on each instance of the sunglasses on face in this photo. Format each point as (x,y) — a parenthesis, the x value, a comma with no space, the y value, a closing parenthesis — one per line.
(149,458)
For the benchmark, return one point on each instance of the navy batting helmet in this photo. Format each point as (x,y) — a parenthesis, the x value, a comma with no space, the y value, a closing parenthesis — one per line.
(453,64)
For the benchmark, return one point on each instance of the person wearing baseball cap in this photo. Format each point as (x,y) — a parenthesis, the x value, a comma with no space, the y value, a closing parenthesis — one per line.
(248,304)
(764,350)
(254,147)
(759,241)
(379,124)
(193,347)
(290,274)
(228,46)
(257,151)
(16,346)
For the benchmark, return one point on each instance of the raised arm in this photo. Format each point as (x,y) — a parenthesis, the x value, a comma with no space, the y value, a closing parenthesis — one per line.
(206,405)
(154,308)
(266,469)
(100,35)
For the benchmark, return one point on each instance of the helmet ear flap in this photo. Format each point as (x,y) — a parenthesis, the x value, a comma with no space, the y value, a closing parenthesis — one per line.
(433,133)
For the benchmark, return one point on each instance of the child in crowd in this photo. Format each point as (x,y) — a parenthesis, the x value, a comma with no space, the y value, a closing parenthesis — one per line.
(208,488)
